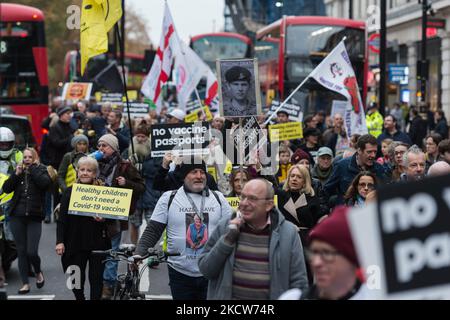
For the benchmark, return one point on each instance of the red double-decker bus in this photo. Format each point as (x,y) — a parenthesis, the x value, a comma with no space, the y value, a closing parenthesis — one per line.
(23,64)
(290,48)
(221,45)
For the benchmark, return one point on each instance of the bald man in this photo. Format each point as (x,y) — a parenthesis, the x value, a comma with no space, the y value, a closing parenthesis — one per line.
(257,244)
(440,168)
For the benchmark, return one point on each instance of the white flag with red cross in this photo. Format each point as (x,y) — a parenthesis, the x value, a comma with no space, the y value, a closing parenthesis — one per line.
(160,70)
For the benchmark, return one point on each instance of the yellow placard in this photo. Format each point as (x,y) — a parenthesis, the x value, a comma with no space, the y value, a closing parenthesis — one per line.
(96,201)
(98,96)
(228,167)
(132,95)
(285,131)
(234,201)
(193,116)
(212,171)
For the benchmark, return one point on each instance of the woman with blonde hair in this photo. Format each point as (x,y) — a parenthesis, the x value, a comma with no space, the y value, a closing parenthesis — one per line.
(29,183)
(77,236)
(298,201)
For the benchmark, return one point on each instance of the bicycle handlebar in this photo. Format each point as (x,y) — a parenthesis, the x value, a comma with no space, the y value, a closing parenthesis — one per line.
(128,255)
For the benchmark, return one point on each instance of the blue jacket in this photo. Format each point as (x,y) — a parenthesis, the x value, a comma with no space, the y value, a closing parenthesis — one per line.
(397,136)
(343,174)
(442,128)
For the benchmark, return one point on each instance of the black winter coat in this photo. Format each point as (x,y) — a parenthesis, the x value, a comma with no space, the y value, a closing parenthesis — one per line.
(29,188)
(418,131)
(58,143)
(305,217)
(79,233)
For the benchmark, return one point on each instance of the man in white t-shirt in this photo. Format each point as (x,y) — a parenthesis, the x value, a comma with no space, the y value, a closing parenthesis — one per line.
(190,214)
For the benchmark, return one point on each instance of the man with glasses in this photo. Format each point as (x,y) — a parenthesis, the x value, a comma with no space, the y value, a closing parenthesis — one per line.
(255,255)
(334,263)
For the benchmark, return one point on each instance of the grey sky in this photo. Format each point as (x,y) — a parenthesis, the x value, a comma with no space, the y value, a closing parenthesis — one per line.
(191,17)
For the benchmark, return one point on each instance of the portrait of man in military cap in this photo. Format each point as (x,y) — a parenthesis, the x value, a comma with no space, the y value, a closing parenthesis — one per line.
(239,88)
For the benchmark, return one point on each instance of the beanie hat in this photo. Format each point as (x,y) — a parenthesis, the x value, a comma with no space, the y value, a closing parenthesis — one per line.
(298,155)
(190,164)
(61,110)
(110,140)
(335,231)
(78,138)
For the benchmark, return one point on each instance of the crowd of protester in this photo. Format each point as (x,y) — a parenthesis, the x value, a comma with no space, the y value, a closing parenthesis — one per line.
(265,248)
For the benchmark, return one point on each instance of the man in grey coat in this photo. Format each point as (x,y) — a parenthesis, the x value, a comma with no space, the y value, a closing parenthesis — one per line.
(255,255)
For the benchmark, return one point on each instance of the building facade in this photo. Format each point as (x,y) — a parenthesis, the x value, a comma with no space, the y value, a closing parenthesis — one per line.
(404,36)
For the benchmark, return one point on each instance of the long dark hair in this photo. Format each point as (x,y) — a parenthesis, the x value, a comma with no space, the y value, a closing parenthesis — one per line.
(352,191)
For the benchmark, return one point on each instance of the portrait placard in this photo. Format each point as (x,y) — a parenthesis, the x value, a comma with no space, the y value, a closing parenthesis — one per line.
(239,91)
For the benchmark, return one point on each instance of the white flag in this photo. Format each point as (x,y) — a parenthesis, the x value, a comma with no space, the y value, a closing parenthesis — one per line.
(335,72)
(160,71)
(188,71)
(212,93)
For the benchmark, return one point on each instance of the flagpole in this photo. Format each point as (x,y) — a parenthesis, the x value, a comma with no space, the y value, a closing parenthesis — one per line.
(286,100)
(124,80)
(184,58)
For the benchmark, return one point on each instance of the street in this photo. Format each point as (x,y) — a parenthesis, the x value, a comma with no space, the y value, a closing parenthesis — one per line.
(55,280)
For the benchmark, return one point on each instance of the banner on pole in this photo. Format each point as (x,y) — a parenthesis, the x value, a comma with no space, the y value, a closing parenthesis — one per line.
(336,73)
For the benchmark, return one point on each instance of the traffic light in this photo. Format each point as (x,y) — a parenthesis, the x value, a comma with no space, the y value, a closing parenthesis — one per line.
(422,69)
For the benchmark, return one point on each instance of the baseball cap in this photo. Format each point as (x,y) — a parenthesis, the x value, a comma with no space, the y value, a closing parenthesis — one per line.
(325,151)
(177,113)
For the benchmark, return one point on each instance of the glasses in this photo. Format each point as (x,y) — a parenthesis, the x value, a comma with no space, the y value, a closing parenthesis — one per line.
(326,255)
(102,145)
(370,186)
(251,198)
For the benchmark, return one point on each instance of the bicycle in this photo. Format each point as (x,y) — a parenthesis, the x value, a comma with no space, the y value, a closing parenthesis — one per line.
(127,285)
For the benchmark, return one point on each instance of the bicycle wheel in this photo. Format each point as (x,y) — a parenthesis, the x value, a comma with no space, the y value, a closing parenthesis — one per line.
(118,291)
